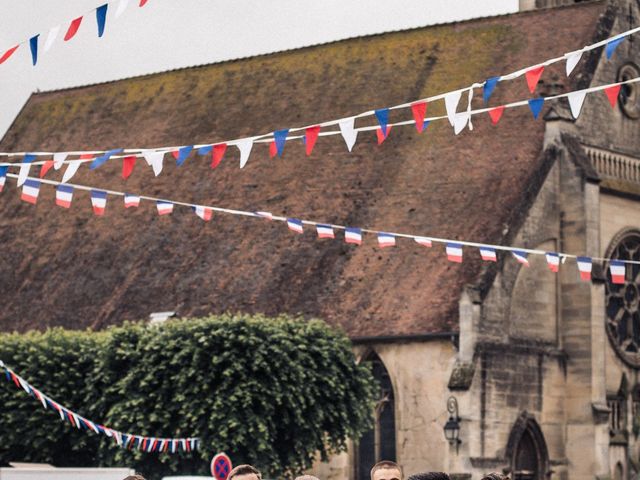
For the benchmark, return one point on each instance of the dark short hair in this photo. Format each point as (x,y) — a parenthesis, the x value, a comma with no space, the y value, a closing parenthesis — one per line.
(429,476)
(495,476)
(244,470)
(385,464)
(134,477)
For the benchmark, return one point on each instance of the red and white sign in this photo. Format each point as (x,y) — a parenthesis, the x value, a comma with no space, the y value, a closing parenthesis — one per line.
(221,466)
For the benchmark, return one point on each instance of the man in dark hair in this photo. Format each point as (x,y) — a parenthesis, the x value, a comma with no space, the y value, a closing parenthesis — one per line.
(495,476)
(134,477)
(386,470)
(430,476)
(245,472)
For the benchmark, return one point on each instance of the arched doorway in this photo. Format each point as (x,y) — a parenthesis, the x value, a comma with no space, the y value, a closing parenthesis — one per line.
(379,443)
(527,450)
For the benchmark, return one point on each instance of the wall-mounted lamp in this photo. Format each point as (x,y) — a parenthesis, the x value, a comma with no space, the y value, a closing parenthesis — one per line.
(452,427)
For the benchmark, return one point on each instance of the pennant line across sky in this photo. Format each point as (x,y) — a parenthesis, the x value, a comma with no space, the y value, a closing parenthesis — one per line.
(352,235)
(124,440)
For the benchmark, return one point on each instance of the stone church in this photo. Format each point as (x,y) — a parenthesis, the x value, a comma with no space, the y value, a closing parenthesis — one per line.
(533,373)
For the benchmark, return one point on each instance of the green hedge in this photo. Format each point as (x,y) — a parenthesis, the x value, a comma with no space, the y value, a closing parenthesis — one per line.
(271,392)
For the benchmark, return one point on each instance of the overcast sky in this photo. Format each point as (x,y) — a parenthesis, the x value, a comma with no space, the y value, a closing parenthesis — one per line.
(167,34)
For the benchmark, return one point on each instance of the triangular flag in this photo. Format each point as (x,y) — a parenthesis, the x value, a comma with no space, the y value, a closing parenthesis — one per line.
(496,114)
(25,166)
(101,18)
(381,136)
(273,149)
(245,145)
(5,56)
(183,153)
(46,166)
(122,6)
(349,133)
(72,168)
(143,3)
(310,137)
(383,119)
(572,60)
(73,29)
(102,159)
(576,99)
(451,103)
(612,45)
(154,159)
(280,137)
(33,45)
(489,87)
(612,94)
(535,105)
(533,76)
(3,175)
(206,150)
(58,160)
(419,110)
(128,163)
(460,121)
(218,153)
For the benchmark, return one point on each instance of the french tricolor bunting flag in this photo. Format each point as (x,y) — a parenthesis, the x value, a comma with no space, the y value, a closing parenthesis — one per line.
(99,201)
(30,191)
(454,252)
(131,200)
(386,240)
(64,195)
(585,265)
(267,215)
(521,257)
(553,261)
(353,235)
(204,213)
(164,207)
(325,231)
(425,242)
(294,225)
(617,269)
(488,254)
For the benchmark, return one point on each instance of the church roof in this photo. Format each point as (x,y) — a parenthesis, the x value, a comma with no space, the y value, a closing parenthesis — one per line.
(69,268)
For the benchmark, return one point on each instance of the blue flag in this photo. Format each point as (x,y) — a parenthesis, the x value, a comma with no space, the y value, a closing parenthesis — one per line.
(383,119)
(535,105)
(205,150)
(489,87)
(280,136)
(183,153)
(612,45)
(33,44)
(101,17)
(102,159)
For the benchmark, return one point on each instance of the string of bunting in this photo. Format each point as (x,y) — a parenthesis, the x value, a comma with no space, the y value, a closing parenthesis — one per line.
(352,235)
(310,133)
(72,29)
(124,440)
(155,159)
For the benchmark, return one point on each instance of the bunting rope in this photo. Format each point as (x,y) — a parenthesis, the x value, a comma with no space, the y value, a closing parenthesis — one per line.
(72,29)
(124,440)
(155,159)
(532,74)
(352,235)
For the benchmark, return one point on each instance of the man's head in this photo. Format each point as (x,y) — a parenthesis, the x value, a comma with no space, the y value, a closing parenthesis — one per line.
(134,477)
(429,476)
(245,472)
(495,476)
(386,470)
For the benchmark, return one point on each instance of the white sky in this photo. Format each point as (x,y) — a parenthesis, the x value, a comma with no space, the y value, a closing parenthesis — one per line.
(167,34)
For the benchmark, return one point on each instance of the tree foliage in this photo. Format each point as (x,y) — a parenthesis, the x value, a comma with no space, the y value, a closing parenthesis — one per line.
(271,392)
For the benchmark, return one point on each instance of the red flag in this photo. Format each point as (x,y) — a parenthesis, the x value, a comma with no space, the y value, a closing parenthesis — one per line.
(381,136)
(310,137)
(612,94)
(45,168)
(496,114)
(127,165)
(176,154)
(273,149)
(419,111)
(218,153)
(143,2)
(533,76)
(5,56)
(73,29)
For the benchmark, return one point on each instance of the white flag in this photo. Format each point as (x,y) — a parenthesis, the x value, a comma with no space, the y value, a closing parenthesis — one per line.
(23,173)
(53,34)
(460,121)
(572,60)
(451,103)
(349,133)
(245,145)
(122,6)
(576,99)
(58,160)
(71,170)
(154,159)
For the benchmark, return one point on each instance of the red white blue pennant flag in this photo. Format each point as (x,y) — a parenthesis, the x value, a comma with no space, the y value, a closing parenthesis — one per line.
(425,242)
(64,195)
(585,265)
(353,235)
(454,252)
(131,200)
(99,201)
(267,215)
(488,254)
(325,231)
(553,261)
(294,225)
(30,191)
(617,269)
(386,240)
(521,257)
(203,212)
(164,207)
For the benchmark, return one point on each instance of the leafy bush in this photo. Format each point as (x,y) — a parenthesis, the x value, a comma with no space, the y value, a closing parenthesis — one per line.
(271,392)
